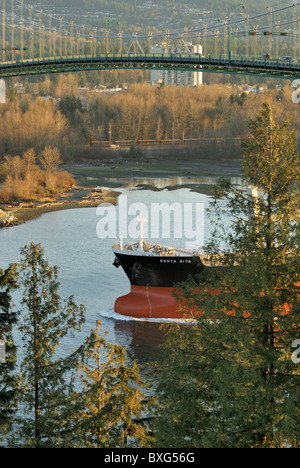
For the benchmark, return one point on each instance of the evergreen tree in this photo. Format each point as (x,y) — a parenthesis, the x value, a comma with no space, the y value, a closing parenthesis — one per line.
(8,319)
(110,410)
(238,357)
(184,416)
(47,381)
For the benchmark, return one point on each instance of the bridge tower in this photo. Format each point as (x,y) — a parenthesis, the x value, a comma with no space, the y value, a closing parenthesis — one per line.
(3,33)
(12,30)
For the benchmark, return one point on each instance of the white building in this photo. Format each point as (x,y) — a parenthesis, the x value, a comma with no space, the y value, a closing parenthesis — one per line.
(176,77)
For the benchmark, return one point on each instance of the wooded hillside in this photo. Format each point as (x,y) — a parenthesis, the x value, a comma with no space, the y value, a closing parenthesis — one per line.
(141,112)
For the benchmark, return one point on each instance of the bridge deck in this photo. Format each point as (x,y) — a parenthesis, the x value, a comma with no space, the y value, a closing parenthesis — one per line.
(235,65)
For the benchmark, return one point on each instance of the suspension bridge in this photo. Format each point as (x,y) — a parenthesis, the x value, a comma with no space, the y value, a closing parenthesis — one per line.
(264,43)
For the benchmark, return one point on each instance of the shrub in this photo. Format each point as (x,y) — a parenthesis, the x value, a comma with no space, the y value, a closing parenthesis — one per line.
(3,171)
(65,179)
(5,195)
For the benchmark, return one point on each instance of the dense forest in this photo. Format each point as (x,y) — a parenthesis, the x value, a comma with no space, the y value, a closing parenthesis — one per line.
(215,111)
(73,116)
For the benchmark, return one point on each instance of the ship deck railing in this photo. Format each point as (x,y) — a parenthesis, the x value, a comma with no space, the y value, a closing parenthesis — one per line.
(207,260)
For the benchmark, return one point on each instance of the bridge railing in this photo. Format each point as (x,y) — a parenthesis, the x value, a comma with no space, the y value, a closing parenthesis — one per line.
(191,62)
(176,58)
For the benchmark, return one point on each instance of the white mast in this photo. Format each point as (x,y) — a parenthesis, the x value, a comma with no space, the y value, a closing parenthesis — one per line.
(142,221)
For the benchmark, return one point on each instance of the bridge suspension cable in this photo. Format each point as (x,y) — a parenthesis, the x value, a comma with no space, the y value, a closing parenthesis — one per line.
(40,31)
(164,34)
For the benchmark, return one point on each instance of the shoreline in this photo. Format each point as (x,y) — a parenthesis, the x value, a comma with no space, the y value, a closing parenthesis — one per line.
(92,174)
(89,172)
(76,197)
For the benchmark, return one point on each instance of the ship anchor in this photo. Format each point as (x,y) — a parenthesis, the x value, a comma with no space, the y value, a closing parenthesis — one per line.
(136,270)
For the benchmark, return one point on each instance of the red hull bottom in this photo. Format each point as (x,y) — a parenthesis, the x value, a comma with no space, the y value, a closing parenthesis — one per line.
(148,302)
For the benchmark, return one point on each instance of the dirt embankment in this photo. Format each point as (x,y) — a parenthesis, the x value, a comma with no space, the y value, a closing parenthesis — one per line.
(7,219)
(113,167)
(76,197)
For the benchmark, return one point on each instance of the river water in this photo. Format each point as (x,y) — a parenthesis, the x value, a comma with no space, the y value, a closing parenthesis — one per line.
(85,267)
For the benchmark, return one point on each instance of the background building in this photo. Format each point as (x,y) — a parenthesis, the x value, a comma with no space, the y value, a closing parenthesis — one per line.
(174,77)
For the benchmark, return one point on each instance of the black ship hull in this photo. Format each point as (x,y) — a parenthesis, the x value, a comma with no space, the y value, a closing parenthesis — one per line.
(158,271)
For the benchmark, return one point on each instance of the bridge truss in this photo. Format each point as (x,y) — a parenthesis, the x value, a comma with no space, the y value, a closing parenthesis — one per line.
(38,42)
(269,68)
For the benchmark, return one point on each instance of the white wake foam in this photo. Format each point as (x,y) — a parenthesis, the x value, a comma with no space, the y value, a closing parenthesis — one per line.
(110,313)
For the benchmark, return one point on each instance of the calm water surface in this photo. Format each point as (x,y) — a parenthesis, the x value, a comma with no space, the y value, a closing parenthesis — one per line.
(86,270)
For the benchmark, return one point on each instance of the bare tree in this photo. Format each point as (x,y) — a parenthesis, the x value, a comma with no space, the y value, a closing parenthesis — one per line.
(14,166)
(9,163)
(29,158)
(50,159)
